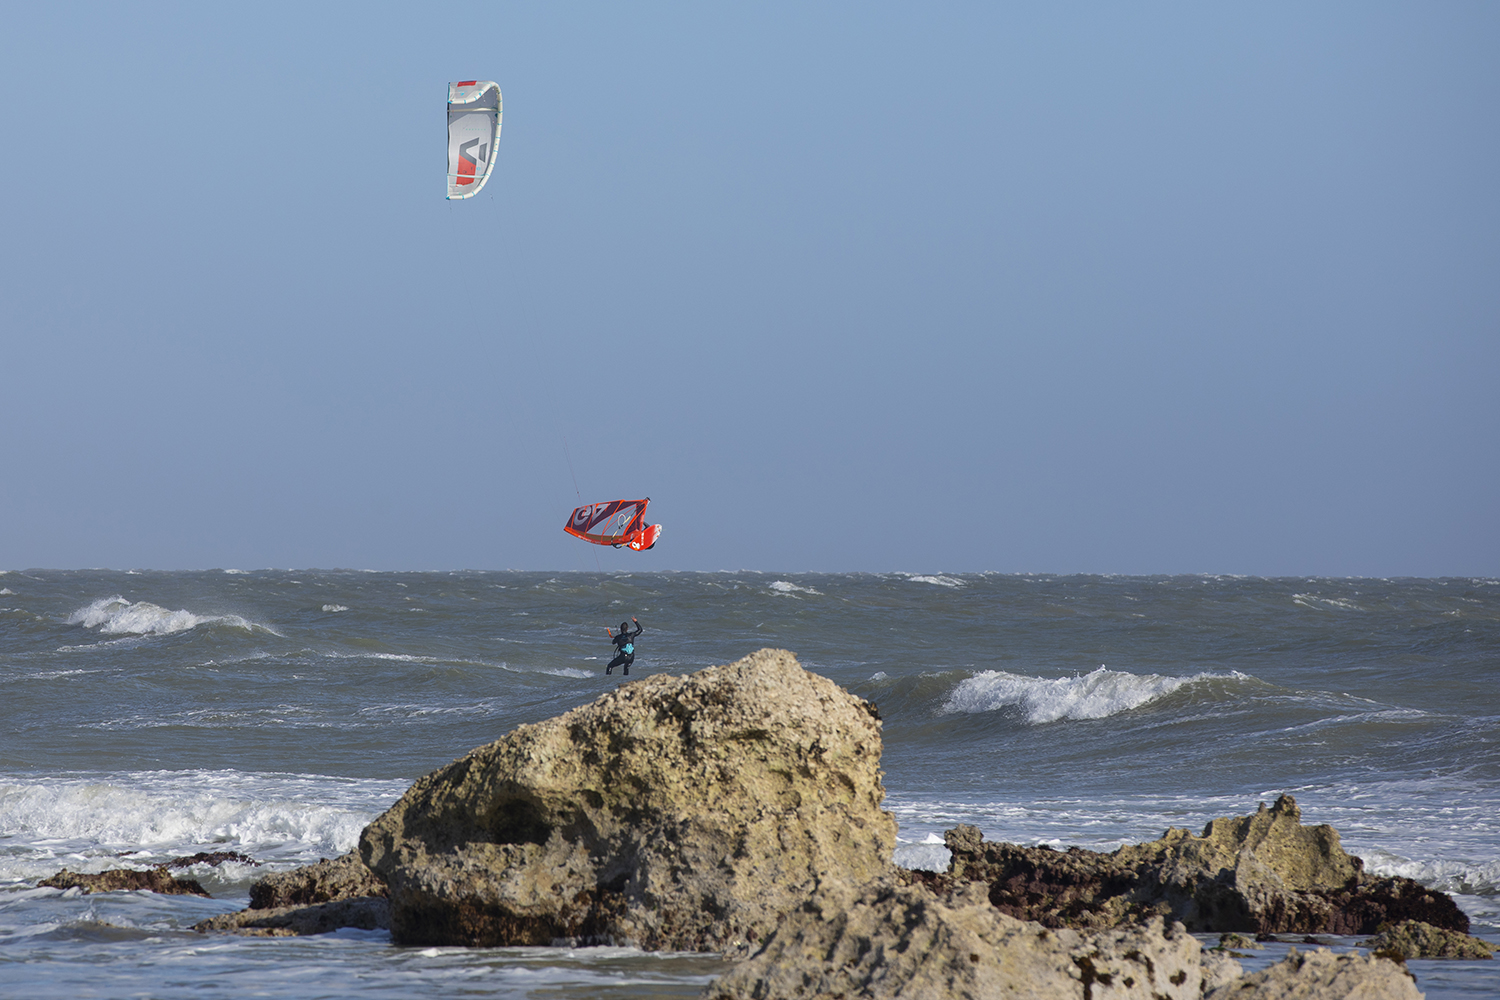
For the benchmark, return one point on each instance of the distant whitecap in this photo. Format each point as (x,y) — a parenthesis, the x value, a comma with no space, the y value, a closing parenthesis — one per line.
(940,581)
(788,589)
(334,607)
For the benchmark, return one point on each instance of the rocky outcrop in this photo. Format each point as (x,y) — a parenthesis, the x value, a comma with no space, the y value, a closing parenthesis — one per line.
(1414,939)
(1265,873)
(116,879)
(904,941)
(673,813)
(345,877)
(364,912)
(1322,975)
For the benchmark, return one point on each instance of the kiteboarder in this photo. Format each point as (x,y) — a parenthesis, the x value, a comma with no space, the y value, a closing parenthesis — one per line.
(625,643)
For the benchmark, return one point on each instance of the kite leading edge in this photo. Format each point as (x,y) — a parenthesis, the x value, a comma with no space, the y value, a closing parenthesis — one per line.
(615,522)
(474,113)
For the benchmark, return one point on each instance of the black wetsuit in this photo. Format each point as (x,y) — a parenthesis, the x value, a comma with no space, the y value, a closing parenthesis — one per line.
(625,643)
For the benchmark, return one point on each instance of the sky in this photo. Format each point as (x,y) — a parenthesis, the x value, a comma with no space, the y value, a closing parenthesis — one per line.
(1051,287)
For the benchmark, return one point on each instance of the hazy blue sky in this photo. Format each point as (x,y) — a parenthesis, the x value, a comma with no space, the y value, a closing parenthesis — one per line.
(1060,287)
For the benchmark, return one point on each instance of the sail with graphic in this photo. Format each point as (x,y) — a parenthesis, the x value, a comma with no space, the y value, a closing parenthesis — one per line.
(614,522)
(474,112)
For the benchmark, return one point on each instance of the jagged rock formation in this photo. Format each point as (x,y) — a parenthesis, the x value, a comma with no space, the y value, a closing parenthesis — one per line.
(674,812)
(1265,873)
(155,879)
(1322,975)
(1414,939)
(893,941)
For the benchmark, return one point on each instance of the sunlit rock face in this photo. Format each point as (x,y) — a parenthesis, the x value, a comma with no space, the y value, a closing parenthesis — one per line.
(672,813)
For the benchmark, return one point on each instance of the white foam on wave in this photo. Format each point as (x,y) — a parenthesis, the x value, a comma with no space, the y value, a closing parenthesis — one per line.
(1095,695)
(334,607)
(93,817)
(1466,878)
(7,592)
(1317,603)
(938,580)
(117,616)
(788,589)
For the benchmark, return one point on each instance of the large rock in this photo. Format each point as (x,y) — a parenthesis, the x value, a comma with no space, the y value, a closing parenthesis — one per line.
(891,941)
(1264,873)
(1322,975)
(673,813)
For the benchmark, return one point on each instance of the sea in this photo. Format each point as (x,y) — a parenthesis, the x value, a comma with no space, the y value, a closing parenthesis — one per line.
(147,716)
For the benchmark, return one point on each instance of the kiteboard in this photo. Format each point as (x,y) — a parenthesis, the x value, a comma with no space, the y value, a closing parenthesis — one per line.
(620,523)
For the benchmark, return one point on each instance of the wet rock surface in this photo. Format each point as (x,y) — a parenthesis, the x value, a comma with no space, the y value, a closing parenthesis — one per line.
(1415,939)
(117,879)
(1265,873)
(345,877)
(364,912)
(892,940)
(1322,975)
(672,813)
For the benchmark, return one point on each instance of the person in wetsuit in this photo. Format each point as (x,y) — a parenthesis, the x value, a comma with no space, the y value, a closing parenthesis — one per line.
(625,644)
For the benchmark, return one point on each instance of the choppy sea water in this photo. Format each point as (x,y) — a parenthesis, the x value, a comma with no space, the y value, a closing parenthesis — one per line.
(152,715)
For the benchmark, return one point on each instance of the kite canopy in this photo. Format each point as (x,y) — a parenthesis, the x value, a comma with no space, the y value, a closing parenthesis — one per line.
(615,522)
(473,130)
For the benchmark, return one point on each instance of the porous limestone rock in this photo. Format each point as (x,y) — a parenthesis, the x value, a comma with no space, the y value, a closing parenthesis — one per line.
(1265,873)
(673,813)
(1322,975)
(116,879)
(344,877)
(889,940)
(1415,939)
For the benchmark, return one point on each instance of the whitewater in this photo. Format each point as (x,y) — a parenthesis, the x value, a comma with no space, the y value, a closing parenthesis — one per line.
(150,716)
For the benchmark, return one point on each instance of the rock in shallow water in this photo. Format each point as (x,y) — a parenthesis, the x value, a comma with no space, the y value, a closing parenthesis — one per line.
(672,813)
(117,879)
(1322,975)
(1263,873)
(364,912)
(1415,939)
(341,878)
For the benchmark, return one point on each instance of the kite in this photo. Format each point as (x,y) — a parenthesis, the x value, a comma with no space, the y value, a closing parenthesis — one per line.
(615,522)
(473,131)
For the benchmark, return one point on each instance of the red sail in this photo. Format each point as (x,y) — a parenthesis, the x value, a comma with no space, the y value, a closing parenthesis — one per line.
(614,522)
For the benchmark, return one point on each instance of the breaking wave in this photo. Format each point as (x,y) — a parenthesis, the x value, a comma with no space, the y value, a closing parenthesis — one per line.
(265,815)
(789,589)
(1095,695)
(117,616)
